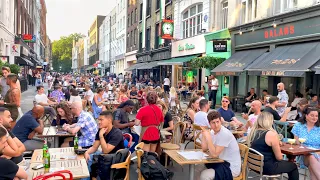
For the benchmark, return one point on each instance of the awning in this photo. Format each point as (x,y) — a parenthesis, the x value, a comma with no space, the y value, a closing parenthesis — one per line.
(238,62)
(290,60)
(23,61)
(149,65)
(135,66)
(89,68)
(178,60)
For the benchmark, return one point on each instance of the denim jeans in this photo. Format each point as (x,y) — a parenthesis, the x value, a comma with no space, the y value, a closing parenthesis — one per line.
(90,163)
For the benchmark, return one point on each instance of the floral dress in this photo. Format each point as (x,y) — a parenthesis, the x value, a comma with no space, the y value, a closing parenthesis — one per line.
(189,123)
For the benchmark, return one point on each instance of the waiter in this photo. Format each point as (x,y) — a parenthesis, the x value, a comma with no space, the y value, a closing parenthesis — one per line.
(213,86)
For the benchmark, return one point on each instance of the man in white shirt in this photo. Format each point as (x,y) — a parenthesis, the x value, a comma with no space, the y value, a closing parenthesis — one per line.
(88,95)
(166,84)
(213,86)
(42,99)
(201,117)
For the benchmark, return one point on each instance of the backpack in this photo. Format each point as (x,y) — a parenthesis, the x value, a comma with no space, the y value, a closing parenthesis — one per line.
(152,169)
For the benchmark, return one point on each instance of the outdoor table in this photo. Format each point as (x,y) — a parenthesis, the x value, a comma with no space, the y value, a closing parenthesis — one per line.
(56,154)
(173,154)
(296,151)
(165,133)
(54,132)
(236,132)
(111,105)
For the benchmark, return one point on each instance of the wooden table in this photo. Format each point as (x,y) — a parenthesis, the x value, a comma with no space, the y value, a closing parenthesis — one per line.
(234,132)
(111,105)
(296,151)
(165,133)
(173,154)
(53,131)
(56,154)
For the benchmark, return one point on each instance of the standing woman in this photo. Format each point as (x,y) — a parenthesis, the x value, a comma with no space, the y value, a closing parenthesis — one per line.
(308,128)
(173,97)
(150,117)
(97,103)
(188,118)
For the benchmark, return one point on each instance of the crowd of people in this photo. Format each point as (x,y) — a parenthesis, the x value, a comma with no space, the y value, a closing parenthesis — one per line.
(78,105)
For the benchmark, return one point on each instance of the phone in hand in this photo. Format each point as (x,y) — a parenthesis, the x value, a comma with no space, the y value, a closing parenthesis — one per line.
(40,166)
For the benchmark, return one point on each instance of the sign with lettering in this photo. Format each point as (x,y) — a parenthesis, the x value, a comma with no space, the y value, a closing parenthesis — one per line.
(15,49)
(29,38)
(290,30)
(186,47)
(220,46)
(272,73)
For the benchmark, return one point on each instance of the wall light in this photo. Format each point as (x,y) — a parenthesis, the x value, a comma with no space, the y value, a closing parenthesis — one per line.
(240,32)
(252,29)
(274,24)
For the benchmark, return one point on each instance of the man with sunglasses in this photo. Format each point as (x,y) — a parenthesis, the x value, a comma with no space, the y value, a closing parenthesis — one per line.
(227,114)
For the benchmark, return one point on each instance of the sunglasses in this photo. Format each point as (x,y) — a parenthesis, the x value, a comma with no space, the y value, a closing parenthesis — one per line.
(225,101)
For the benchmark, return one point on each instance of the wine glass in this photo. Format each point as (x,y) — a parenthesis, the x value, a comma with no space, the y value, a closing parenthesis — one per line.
(291,141)
(302,140)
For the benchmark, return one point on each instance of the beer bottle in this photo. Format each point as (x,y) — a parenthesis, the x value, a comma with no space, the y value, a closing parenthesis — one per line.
(75,142)
(45,148)
(47,160)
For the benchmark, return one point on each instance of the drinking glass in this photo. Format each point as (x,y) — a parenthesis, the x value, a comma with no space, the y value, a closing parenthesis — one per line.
(302,140)
(291,141)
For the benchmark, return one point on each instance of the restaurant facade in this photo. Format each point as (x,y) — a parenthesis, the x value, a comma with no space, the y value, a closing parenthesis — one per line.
(284,48)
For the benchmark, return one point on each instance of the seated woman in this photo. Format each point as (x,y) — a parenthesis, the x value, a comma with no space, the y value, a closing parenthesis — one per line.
(188,118)
(74,96)
(64,116)
(308,128)
(168,121)
(314,102)
(97,103)
(122,96)
(265,140)
(173,97)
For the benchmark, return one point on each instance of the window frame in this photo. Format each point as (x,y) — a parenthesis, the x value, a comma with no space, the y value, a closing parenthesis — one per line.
(190,31)
(224,14)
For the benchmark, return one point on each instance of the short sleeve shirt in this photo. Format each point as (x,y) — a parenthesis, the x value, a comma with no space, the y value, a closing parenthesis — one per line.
(41,98)
(122,116)
(201,119)
(166,82)
(273,112)
(90,94)
(25,126)
(88,129)
(8,169)
(312,137)
(167,119)
(283,98)
(231,151)
(114,137)
(226,114)
(150,116)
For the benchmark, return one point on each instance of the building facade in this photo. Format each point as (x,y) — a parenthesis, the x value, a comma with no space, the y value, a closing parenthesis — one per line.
(48,58)
(113,40)
(94,39)
(43,30)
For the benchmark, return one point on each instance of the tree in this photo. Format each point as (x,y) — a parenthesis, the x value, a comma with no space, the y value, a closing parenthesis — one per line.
(207,62)
(14,68)
(62,52)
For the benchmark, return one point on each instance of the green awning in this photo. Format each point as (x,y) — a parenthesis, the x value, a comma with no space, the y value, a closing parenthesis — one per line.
(149,65)
(178,60)
(222,34)
(135,66)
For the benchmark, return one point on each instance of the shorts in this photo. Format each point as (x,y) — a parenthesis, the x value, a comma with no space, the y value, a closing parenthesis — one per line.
(71,144)
(166,88)
(151,142)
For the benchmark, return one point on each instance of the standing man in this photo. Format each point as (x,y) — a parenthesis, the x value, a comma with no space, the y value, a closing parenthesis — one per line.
(30,76)
(3,82)
(213,86)
(283,99)
(12,97)
(201,117)
(166,84)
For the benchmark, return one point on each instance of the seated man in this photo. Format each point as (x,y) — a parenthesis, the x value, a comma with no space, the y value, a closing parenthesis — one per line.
(88,96)
(221,144)
(57,93)
(227,114)
(86,125)
(42,99)
(9,170)
(251,96)
(108,137)
(200,117)
(252,118)
(15,147)
(29,124)
(134,97)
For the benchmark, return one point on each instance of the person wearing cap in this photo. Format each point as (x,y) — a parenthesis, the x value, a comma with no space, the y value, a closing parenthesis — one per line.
(271,108)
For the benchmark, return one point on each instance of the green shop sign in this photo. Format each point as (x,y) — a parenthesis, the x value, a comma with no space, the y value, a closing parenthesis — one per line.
(186,47)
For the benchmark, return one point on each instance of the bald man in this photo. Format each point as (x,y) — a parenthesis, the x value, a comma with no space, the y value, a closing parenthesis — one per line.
(29,124)
(252,118)
(86,125)
(283,99)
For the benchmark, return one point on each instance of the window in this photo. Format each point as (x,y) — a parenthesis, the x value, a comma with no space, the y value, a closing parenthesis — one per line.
(141,11)
(192,21)
(156,37)
(158,4)
(224,13)
(148,38)
(149,8)
(128,20)
(248,11)
(243,12)
(128,40)
(136,15)
(132,16)
(135,37)
(281,6)
(140,41)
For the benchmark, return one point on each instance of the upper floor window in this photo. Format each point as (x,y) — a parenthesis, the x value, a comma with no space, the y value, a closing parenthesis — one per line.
(149,7)
(141,11)
(248,11)
(224,13)
(158,4)
(281,6)
(192,21)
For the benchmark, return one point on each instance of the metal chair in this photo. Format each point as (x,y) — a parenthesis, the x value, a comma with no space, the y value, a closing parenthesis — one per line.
(255,163)
(281,128)
(55,174)
(128,137)
(244,150)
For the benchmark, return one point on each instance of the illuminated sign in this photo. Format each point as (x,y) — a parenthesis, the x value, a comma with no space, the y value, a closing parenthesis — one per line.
(29,38)
(167,29)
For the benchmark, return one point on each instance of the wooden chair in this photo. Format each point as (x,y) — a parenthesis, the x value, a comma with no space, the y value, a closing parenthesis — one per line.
(177,137)
(255,163)
(124,165)
(139,146)
(195,135)
(244,150)
(139,153)
(176,119)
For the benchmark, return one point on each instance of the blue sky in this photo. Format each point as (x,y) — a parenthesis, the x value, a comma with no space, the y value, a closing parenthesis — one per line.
(65,17)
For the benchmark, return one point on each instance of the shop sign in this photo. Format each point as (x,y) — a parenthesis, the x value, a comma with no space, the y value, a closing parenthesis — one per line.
(285,61)
(305,27)
(235,64)
(220,46)
(167,29)
(225,73)
(15,49)
(272,73)
(29,38)
(186,47)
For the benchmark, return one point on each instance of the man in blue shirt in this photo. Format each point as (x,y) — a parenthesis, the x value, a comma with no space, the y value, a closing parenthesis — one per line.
(29,124)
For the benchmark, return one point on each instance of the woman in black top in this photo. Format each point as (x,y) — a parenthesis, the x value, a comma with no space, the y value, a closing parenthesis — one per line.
(64,116)
(168,121)
(265,140)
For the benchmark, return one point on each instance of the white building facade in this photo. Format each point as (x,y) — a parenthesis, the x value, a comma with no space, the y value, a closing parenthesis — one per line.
(36,17)
(113,43)
(120,44)
(6,29)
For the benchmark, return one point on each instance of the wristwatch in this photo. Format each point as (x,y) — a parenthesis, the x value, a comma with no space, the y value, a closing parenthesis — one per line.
(5,103)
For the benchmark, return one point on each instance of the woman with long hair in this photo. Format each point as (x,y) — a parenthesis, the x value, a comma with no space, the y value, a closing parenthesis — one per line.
(122,96)
(168,121)
(308,128)
(64,115)
(264,139)
(188,118)
(97,103)
(173,97)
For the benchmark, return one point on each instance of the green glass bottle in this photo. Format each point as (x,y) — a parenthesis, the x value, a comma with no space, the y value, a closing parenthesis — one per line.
(75,142)
(45,148)
(47,160)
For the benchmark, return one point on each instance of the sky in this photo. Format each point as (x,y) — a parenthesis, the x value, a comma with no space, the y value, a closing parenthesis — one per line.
(65,17)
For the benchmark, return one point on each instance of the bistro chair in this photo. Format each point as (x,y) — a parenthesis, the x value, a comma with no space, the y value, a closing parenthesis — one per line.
(55,174)
(196,134)
(139,153)
(124,165)
(244,150)
(281,128)
(176,140)
(255,164)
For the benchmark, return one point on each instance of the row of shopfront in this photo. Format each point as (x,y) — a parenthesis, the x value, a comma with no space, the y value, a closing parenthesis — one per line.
(284,48)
